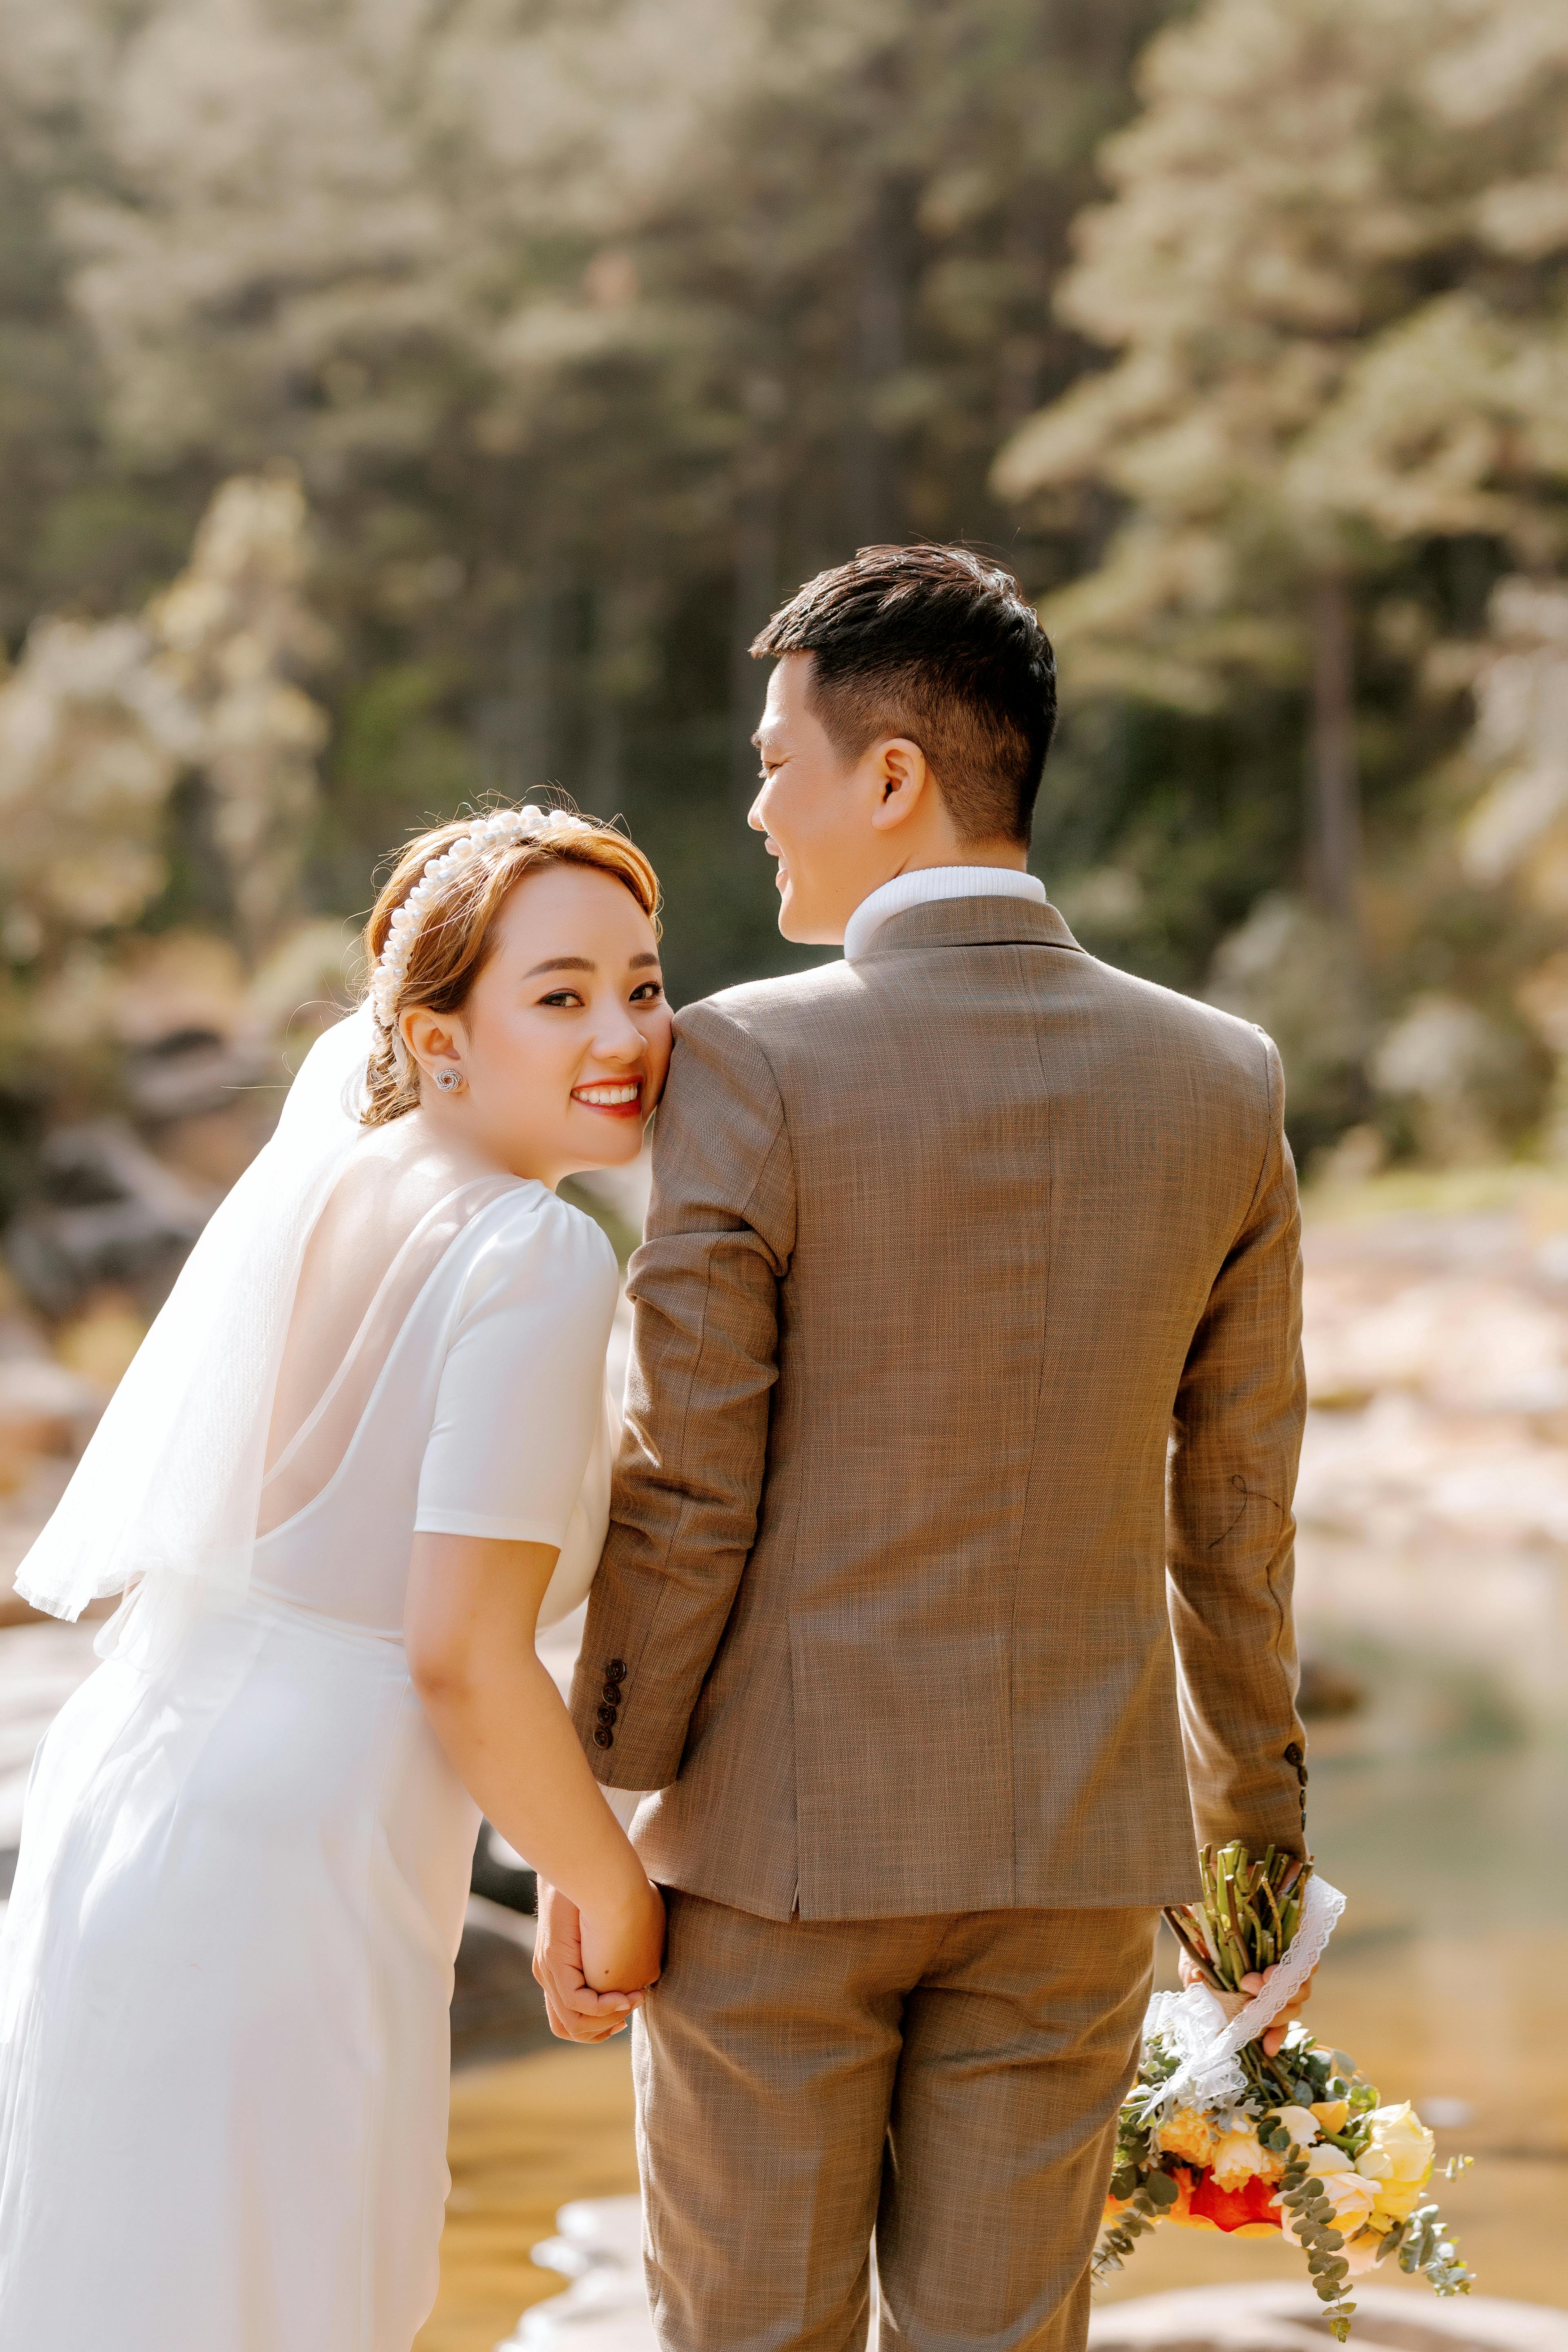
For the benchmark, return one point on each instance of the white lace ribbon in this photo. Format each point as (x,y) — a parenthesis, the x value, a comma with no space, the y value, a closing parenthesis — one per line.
(1196,2024)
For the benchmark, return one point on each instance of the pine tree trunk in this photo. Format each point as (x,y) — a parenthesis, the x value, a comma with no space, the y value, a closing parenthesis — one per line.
(1334,830)
(871,500)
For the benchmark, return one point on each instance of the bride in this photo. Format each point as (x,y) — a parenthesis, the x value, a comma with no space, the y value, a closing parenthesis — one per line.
(363,1452)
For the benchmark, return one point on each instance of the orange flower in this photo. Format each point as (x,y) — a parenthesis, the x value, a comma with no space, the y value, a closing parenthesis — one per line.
(1182,2213)
(1248,2211)
(1187,2134)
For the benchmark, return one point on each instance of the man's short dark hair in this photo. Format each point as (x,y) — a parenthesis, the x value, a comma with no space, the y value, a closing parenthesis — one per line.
(936,643)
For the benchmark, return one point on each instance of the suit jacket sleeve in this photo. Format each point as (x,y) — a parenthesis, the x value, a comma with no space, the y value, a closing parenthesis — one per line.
(1239,1413)
(683,1514)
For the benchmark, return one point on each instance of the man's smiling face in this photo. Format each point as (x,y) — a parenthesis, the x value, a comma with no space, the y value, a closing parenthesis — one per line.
(814,808)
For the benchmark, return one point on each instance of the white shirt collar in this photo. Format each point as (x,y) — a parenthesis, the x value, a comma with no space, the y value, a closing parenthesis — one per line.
(923,888)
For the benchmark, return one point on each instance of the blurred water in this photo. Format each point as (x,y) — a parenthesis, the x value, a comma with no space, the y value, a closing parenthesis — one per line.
(1438,1805)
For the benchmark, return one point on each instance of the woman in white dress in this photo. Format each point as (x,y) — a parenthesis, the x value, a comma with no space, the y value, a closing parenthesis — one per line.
(364,1450)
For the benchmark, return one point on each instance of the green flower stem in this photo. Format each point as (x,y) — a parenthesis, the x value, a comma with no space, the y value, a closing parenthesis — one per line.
(1247,1916)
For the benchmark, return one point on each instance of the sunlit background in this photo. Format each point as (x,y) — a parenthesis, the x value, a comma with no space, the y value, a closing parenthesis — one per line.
(407,400)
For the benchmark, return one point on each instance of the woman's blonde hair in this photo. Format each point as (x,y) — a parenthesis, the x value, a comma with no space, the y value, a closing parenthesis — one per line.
(455,934)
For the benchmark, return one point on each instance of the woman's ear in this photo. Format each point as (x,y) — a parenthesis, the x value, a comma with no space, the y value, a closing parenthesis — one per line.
(901,780)
(434,1040)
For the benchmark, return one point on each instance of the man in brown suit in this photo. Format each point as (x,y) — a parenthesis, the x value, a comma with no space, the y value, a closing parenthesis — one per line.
(948,1585)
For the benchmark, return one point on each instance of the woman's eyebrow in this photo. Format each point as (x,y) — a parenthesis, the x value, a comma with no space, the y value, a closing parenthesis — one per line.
(638,962)
(561,963)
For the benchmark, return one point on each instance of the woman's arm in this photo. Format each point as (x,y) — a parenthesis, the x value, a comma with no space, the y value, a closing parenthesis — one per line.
(468,1622)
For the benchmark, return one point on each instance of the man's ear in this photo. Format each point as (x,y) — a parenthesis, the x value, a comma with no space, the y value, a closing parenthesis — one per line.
(903,778)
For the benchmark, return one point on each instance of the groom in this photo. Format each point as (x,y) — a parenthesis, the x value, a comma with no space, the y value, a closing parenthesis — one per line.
(948,1585)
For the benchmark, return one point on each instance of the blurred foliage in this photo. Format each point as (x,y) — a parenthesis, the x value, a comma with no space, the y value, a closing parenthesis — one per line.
(1333,269)
(591,331)
(582,334)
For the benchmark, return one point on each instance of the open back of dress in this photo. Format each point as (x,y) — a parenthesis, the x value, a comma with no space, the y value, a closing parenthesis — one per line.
(360,1454)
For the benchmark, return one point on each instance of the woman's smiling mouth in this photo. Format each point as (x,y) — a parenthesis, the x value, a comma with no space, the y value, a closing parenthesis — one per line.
(621,1097)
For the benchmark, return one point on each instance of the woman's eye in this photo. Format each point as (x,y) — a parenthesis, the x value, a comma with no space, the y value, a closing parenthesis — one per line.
(565,997)
(648,993)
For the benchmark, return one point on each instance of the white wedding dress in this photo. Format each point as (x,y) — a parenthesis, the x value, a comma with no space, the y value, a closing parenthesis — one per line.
(226,1970)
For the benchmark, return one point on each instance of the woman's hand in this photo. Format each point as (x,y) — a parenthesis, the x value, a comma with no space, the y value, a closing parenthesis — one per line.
(622,1944)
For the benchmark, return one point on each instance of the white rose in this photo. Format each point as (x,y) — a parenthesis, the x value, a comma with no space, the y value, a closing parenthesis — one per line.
(1361,2252)
(1299,2122)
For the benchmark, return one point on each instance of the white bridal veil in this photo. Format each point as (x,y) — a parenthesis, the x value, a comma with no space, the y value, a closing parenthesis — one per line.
(167,1494)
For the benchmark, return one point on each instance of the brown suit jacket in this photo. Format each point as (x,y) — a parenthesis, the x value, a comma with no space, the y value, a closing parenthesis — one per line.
(949,1557)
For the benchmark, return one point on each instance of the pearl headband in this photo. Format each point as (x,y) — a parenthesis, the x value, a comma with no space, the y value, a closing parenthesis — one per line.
(503,829)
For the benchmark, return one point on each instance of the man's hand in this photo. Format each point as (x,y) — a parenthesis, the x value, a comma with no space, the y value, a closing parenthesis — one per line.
(576,2013)
(1233,2003)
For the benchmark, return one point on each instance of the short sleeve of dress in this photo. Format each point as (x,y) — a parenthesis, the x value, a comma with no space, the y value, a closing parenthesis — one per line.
(521,1408)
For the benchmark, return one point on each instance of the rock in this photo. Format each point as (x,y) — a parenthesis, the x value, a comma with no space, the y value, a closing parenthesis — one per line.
(497,2010)
(46,1410)
(114,1214)
(604,2309)
(43,1404)
(1472,1346)
(1285,2319)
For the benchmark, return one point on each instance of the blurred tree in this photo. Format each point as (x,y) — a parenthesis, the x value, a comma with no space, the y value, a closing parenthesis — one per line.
(234,633)
(125,747)
(1334,268)
(93,737)
(591,329)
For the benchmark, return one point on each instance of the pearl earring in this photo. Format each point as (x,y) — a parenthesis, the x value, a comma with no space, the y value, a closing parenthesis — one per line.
(448,1080)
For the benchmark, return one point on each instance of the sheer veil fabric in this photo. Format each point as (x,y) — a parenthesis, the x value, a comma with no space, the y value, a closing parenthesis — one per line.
(167,1494)
(226,1966)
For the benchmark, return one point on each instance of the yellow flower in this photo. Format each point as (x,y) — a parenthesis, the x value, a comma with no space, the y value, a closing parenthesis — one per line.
(1350,2196)
(1187,2133)
(1396,2201)
(1332,2113)
(1402,2149)
(1239,2155)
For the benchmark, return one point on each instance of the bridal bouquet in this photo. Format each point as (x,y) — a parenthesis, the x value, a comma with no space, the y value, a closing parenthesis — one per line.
(1215,2136)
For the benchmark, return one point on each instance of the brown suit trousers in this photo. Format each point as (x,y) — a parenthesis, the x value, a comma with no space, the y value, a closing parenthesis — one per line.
(950,2082)
(950,1559)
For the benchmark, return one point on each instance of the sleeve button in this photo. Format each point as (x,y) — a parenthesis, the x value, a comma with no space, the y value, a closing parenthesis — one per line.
(607,1715)
(603,1738)
(615,1671)
(613,1694)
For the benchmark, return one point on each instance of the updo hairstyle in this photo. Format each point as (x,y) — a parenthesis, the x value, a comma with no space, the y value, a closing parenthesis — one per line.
(457,936)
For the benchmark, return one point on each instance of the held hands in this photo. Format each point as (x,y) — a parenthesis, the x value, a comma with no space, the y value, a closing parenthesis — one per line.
(622,1945)
(1233,2003)
(594,1967)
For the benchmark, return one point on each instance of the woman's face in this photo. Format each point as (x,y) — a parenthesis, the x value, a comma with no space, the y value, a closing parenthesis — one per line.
(564,1041)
